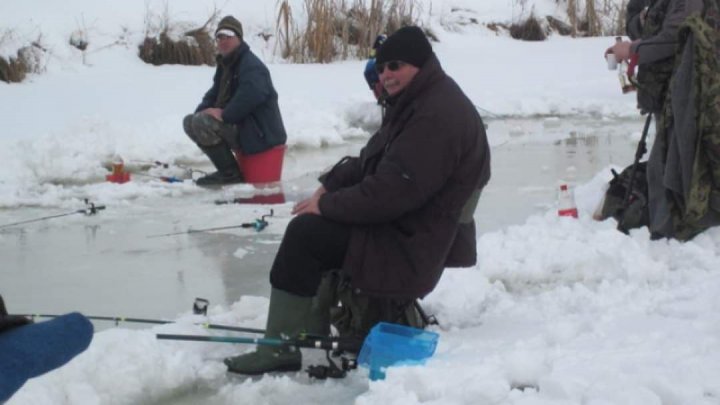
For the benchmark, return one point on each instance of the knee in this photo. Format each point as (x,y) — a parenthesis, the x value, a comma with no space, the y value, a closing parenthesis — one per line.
(187,126)
(204,129)
(299,227)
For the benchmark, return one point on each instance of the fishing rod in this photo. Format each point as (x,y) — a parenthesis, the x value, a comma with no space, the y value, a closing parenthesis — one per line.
(259,224)
(304,341)
(485,112)
(335,345)
(122,319)
(166,165)
(167,179)
(90,209)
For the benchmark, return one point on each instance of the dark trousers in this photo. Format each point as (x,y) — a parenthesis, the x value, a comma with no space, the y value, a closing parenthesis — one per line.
(312,246)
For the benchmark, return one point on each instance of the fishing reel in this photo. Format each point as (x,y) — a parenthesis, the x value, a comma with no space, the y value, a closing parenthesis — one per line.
(260,223)
(332,370)
(91,208)
(200,306)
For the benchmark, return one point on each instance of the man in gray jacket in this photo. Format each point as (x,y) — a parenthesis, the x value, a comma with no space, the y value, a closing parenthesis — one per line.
(653,27)
(393,218)
(653,30)
(239,112)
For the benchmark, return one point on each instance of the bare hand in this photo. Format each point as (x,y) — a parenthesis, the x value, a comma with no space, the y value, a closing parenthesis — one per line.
(310,205)
(214,112)
(621,50)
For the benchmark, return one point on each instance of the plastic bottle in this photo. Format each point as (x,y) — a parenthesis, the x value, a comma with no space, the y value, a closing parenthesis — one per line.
(566,203)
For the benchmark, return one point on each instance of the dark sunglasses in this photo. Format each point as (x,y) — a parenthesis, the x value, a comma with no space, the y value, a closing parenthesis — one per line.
(393,65)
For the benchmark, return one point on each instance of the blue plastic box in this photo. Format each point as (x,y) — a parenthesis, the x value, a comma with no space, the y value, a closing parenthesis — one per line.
(390,344)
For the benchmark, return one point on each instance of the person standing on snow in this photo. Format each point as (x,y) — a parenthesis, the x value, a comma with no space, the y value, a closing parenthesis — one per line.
(240,111)
(673,60)
(653,32)
(393,218)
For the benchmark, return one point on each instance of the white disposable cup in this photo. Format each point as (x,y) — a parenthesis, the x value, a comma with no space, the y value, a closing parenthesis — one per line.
(611,61)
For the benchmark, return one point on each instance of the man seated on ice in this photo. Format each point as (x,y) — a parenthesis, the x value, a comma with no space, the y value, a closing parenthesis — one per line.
(393,218)
(240,111)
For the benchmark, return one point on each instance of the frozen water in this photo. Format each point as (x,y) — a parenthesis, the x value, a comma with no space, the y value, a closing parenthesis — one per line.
(108,265)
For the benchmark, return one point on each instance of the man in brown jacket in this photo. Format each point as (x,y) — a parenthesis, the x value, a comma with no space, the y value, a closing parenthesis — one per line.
(393,218)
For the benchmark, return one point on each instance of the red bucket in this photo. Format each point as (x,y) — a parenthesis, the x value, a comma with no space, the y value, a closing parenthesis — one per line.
(263,167)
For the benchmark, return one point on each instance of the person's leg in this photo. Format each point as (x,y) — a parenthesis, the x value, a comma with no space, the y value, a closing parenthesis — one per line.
(209,134)
(311,246)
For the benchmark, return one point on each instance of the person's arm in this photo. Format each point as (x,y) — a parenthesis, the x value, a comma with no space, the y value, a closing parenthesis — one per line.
(416,166)
(346,172)
(662,45)
(210,96)
(254,88)
(635,15)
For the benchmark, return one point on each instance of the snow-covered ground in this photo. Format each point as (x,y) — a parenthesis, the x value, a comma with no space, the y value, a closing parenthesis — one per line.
(557,311)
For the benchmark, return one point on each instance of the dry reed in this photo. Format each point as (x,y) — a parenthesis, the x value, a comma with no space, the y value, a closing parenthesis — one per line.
(338,29)
(195,47)
(29,59)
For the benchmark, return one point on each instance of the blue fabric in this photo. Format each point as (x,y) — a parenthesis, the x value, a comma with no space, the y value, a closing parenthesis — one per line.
(371,76)
(31,350)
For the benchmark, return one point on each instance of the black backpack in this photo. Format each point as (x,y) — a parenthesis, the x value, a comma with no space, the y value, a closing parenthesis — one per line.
(635,215)
(354,314)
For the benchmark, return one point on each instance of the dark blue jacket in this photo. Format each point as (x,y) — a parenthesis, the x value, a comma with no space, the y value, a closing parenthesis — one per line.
(253,106)
(371,76)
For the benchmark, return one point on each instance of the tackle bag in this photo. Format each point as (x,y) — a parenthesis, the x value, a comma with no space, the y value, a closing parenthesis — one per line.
(635,215)
(353,314)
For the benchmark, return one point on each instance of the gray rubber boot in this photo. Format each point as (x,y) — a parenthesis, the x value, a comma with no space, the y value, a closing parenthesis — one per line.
(224,161)
(287,316)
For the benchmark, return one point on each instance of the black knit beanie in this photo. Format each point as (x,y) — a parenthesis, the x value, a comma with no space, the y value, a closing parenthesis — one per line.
(230,23)
(408,44)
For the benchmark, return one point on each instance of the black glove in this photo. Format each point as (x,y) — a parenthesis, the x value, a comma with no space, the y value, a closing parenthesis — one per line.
(8,322)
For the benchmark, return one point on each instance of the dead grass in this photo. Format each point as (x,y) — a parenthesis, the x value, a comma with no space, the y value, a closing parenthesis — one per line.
(194,47)
(29,59)
(12,71)
(528,30)
(339,28)
(596,17)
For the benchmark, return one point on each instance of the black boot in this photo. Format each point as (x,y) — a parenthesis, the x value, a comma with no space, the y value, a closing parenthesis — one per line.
(227,172)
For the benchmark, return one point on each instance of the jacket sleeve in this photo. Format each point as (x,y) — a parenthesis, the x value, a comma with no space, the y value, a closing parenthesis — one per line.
(662,45)
(345,173)
(211,95)
(633,26)
(253,89)
(416,165)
